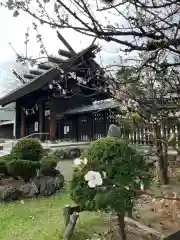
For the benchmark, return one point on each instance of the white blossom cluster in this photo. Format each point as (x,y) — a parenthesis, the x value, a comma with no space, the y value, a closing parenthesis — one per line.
(130,103)
(176,114)
(79,161)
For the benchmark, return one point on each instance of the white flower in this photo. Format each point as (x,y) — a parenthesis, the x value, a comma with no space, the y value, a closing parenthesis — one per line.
(137,180)
(162,200)
(22,201)
(142,187)
(78,161)
(94,179)
(85,161)
(153,200)
(127,188)
(170,114)
(104,174)
(177,114)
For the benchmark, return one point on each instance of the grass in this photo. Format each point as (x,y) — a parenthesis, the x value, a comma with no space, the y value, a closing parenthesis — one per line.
(41,219)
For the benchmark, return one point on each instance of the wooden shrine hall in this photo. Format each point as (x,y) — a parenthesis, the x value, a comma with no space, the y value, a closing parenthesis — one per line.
(56,101)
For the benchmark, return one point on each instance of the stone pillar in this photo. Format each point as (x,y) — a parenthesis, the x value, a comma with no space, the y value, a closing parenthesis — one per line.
(23,122)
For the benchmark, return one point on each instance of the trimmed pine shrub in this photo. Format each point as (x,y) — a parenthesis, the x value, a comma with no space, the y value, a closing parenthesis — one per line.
(27,149)
(3,168)
(23,168)
(48,166)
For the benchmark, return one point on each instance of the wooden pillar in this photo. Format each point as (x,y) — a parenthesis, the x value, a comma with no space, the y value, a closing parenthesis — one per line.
(23,127)
(42,121)
(17,121)
(52,122)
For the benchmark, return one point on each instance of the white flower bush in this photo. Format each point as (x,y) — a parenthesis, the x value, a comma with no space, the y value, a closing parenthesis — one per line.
(107,181)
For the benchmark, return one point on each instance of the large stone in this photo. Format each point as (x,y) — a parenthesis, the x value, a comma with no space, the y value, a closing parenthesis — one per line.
(114,131)
(50,185)
(9,193)
(29,190)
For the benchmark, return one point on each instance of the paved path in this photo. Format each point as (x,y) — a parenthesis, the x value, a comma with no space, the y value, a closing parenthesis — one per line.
(66,168)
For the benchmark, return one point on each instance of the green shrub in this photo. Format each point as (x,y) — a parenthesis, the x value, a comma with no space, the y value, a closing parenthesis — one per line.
(120,170)
(23,168)
(6,158)
(48,166)
(27,149)
(3,168)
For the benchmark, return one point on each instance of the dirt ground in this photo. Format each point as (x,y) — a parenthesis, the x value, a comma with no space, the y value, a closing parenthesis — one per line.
(160,214)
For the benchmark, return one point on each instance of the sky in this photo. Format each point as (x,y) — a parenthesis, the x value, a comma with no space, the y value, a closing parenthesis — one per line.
(12,30)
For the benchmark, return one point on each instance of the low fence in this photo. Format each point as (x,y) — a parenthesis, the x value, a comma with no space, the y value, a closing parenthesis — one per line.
(71,215)
(142,136)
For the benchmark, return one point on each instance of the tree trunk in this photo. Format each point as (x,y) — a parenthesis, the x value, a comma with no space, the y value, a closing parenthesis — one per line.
(162,157)
(130,213)
(163,171)
(121,224)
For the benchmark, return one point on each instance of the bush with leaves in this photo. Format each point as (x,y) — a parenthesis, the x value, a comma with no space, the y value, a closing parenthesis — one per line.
(3,168)
(23,168)
(27,149)
(48,166)
(108,176)
(6,158)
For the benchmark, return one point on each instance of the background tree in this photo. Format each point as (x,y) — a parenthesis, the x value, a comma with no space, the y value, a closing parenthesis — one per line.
(150,101)
(136,26)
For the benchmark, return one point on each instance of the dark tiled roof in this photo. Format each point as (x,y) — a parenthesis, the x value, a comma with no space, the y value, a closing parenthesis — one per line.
(94,107)
(38,81)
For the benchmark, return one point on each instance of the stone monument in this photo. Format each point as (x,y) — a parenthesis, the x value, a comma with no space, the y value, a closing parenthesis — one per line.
(114,131)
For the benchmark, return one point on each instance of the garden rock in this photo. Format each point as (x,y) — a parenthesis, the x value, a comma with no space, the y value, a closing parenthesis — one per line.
(29,190)
(71,153)
(114,131)
(50,185)
(9,193)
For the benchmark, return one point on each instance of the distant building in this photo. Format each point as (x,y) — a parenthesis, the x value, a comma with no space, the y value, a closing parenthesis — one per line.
(57,102)
(7,123)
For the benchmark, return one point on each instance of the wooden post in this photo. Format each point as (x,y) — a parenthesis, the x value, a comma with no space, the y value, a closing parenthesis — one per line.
(17,121)
(22,133)
(52,126)
(70,215)
(41,121)
(52,122)
(66,214)
(70,228)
